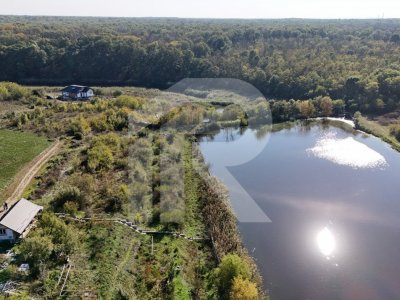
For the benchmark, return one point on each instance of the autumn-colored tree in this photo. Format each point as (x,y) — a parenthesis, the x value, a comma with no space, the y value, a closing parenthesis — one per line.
(231,266)
(326,106)
(306,108)
(243,289)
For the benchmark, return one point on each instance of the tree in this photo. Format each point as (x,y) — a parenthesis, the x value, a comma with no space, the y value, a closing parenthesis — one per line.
(243,289)
(230,267)
(379,105)
(357,117)
(326,106)
(36,250)
(338,107)
(306,108)
(62,236)
(201,49)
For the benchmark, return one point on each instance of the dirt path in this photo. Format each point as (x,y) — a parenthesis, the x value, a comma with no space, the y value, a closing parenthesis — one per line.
(25,176)
(133,227)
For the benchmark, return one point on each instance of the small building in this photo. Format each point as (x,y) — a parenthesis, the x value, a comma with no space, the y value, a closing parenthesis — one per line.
(17,221)
(77,92)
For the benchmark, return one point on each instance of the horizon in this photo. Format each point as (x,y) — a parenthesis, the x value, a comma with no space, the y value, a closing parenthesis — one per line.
(201,18)
(208,9)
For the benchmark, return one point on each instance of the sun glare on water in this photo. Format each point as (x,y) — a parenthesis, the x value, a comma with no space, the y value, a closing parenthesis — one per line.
(347,152)
(326,242)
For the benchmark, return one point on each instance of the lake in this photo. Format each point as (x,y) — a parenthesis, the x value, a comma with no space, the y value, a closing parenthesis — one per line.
(331,199)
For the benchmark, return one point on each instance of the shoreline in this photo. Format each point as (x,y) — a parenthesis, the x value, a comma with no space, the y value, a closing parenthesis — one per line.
(343,120)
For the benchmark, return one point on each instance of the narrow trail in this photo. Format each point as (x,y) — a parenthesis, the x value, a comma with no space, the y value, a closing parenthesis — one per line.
(26,175)
(133,227)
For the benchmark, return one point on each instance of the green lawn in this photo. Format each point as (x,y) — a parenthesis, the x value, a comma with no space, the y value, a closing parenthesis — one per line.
(16,150)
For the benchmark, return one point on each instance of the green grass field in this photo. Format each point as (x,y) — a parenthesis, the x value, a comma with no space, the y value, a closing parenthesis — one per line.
(16,150)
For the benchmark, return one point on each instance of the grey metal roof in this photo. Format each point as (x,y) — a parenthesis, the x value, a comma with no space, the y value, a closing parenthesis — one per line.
(20,215)
(75,89)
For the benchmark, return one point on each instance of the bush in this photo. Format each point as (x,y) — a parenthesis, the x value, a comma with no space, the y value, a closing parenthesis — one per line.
(79,127)
(232,112)
(395,131)
(111,140)
(243,289)
(11,91)
(129,102)
(180,288)
(117,93)
(67,194)
(356,117)
(100,157)
(71,208)
(36,250)
(4,95)
(61,235)
(98,92)
(230,267)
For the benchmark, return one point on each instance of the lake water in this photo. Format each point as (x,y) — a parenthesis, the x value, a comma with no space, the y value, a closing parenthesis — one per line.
(332,197)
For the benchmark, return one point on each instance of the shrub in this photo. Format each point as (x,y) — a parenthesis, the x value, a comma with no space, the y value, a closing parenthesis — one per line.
(111,140)
(356,117)
(395,131)
(117,93)
(62,236)
(35,250)
(231,266)
(67,194)
(232,112)
(129,102)
(4,95)
(71,208)
(100,157)
(243,289)
(79,127)
(11,91)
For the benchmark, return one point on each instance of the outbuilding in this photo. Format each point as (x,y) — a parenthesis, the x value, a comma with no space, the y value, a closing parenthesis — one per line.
(18,220)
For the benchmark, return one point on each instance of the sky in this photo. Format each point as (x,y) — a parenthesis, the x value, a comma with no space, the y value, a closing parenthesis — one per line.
(321,9)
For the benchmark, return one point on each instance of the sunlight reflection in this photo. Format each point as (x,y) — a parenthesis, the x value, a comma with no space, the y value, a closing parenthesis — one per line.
(347,152)
(326,242)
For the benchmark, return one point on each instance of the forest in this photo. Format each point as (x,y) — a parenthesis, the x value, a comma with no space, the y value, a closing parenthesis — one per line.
(356,61)
(122,154)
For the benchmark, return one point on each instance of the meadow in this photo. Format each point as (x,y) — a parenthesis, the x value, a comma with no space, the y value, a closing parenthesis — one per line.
(16,150)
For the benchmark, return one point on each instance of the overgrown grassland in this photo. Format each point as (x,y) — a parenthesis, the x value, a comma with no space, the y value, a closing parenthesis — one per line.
(16,150)
(379,130)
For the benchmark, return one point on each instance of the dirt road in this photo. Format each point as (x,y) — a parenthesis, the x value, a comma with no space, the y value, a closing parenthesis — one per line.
(25,176)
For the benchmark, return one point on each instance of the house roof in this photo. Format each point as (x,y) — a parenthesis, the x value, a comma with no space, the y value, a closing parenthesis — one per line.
(75,89)
(20,215)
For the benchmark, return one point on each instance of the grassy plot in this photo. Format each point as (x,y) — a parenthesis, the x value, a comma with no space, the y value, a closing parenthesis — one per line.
(379,130)
(16,150)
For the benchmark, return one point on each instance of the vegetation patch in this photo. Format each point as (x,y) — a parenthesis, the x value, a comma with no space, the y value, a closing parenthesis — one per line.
(16,150)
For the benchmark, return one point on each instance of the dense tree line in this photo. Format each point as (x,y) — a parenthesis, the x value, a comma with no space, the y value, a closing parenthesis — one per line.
(352,60)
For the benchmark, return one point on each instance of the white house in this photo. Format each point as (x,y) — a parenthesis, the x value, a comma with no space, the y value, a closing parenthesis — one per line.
(16,222)
(77,92)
